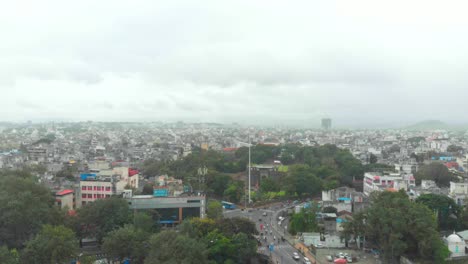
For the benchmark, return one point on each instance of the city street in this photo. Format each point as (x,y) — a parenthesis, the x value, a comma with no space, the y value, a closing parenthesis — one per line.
(282,251)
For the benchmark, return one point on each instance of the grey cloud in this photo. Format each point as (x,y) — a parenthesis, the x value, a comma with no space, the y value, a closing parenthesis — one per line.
(233,61)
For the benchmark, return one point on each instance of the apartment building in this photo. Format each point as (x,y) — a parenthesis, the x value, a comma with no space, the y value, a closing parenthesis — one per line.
(392,181)
(104,184)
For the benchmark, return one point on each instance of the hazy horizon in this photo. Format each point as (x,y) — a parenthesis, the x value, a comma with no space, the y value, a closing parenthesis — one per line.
(362,63)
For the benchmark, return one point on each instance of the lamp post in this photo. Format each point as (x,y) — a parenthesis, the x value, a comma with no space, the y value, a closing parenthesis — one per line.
(249,171)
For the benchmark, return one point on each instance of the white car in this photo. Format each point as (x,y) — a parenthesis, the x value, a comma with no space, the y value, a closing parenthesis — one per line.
(307,261)
(296,256)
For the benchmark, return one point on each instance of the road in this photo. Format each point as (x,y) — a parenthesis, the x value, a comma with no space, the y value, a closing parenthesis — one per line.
(283,251)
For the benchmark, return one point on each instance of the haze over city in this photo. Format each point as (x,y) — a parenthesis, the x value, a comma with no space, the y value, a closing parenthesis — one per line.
(363,63)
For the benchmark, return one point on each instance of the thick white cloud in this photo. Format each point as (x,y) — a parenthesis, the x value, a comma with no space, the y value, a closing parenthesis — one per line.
(359,62)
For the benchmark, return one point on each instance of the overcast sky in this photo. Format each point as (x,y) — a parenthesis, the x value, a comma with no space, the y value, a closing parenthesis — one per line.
(358,62)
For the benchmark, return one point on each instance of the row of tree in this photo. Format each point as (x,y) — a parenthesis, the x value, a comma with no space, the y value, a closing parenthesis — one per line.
(34,230)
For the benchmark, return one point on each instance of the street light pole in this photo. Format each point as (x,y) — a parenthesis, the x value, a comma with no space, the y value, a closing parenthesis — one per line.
(249,169)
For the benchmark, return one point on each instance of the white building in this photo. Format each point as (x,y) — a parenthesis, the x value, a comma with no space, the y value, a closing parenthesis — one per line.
(456,245)
(393,181)
(459,192)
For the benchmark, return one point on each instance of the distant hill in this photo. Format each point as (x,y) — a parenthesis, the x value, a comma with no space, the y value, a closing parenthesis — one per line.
(429,125)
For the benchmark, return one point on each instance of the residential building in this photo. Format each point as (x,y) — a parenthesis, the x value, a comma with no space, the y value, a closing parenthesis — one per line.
(94,186)
(459,192)
(387,181)
(65,199)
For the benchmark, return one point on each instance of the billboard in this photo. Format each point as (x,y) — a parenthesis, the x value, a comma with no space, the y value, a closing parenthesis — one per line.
(160,192)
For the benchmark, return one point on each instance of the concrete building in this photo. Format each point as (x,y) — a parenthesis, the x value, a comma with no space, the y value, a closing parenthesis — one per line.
(459,192)
(94,186)
(326,123)
(172,210)
(392,181)
(65,199)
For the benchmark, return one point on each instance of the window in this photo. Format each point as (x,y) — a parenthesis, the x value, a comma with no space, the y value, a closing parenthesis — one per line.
(83,195)
(108,189)
(95,188)
(107,195)
(95,196)
(99,188)
(99,196)
(90,188)
(90,195)
(83,188)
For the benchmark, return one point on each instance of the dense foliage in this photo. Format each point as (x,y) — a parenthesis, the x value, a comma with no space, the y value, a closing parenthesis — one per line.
(435,171)
(306,170)
(447,211)
(399,227)
(25,206)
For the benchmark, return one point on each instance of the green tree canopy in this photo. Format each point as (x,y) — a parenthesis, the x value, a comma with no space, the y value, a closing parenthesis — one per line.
(435,171)
(25,206)
(214,210)
(126,242)
(398,226)
(304,221)
(53,244)
(8,256)
(445,208)
(102,216)
(169,247)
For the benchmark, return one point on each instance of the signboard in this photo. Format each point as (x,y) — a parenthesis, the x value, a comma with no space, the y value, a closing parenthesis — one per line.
(161,192)
(86,176)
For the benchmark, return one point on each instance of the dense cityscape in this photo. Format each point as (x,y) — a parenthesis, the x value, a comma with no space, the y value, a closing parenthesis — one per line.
(179,193)
(233,132)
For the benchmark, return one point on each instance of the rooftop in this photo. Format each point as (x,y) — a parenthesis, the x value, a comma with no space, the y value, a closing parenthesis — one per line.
(64,192)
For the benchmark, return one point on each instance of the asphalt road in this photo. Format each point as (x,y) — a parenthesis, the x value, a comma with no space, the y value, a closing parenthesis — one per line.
(283,251)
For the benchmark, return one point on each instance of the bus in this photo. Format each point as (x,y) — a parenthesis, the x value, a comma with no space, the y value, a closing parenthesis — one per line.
(228,205)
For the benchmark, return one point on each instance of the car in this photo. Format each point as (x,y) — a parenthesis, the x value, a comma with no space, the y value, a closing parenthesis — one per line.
(264,214)
(349,259)
(306,260)
(330,258)
(296,256)
(319,246)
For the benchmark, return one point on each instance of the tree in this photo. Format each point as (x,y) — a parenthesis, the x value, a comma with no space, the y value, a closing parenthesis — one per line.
(126,242)
(445,208)
(25,206)
(435,171)
(170,247)
(217,183)
(304,221)
(8,256)
(53,244)
(215,210)
(373,158)
(145,222)
(234,192)
(454,149)
(148,189)
(398,226)
(236,225)
(102,216)
(269,185)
